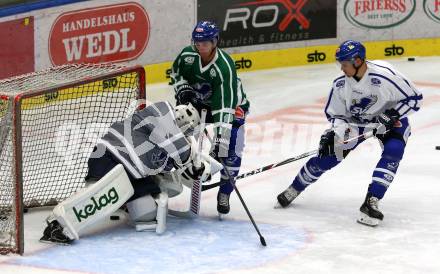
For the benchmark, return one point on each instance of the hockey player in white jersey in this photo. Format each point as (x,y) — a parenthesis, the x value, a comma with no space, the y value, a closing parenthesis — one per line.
(139,162)
(370,96)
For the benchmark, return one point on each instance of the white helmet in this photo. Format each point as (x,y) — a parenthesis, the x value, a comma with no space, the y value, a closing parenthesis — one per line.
(187,118)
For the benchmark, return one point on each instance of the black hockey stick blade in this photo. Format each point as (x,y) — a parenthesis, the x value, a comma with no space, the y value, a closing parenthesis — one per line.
(262,241)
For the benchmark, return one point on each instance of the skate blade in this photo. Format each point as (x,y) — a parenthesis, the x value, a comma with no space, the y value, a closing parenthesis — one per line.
(56,243)
(364,219)
(221,216)
(277,206)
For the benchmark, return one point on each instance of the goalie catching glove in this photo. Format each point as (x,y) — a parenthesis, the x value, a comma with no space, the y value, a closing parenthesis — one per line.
(191,172)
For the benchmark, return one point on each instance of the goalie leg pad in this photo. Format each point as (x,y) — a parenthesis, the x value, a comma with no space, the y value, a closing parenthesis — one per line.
(170,183)
(149,214)
(142,209)
(95,203)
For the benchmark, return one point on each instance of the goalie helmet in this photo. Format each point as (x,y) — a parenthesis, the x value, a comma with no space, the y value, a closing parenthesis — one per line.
(187,118)
(205,31)
(349,50)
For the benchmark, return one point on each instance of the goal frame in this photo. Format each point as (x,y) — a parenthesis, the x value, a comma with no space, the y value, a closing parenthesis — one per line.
(16,102)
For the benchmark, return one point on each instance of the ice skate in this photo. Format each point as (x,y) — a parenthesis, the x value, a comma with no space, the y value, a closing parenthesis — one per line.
(370,214)
(222,204)
(53,233)
(286,197)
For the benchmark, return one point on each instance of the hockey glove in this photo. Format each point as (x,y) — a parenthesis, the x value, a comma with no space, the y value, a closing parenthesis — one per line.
(219,148)
(201,173)
(327,144)
(188,168)
(185,94)
(387,121)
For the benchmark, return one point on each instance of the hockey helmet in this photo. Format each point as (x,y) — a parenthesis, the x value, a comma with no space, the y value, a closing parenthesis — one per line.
(349,50)
(205,31)
(187,118)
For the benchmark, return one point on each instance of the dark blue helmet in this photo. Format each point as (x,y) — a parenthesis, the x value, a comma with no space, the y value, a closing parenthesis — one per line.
(205,31)
(349,50)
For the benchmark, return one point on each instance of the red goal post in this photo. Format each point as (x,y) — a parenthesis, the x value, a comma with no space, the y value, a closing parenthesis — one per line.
(49,123)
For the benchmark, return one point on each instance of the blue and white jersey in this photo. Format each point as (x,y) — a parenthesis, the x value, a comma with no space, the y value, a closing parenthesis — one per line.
(381,88)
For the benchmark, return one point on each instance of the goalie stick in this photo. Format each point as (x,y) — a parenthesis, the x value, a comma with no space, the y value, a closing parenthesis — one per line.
(287,161)
(196,189)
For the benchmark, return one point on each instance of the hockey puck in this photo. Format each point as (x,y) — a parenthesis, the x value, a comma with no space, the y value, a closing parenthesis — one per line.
(114,217)
(437,147)
(411,59)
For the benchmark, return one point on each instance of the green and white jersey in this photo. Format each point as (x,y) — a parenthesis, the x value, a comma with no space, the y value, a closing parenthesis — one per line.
(216,85)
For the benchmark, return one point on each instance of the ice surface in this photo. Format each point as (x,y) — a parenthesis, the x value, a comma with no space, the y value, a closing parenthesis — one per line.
(317,234)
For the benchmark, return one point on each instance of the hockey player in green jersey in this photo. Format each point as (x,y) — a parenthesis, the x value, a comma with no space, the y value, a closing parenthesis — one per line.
(205,76)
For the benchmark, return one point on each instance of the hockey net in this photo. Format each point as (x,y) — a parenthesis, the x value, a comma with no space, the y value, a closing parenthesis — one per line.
(49,124)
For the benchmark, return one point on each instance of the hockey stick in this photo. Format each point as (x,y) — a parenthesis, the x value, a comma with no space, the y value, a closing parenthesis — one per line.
(287,161)
(196,188)
(262,240)
(262,169)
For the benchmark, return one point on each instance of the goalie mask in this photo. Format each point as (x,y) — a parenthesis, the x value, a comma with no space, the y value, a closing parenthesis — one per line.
(187,118)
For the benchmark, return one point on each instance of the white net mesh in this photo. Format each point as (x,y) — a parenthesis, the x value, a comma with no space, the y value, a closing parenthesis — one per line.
(59,125)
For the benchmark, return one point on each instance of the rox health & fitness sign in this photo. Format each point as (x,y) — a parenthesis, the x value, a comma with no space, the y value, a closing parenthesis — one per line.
(250,22)
(113,33)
